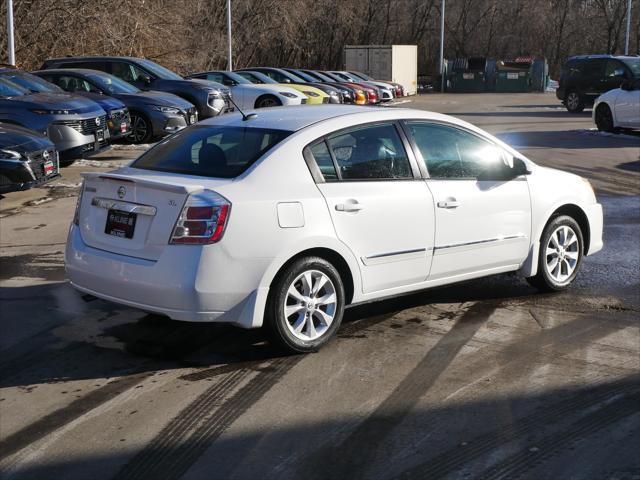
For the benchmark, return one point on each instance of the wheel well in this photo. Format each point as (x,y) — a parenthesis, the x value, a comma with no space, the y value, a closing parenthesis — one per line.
(580,217)
(335,259)
(266,95)
(603,105)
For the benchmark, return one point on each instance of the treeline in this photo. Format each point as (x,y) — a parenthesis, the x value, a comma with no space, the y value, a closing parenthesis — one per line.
(190,35)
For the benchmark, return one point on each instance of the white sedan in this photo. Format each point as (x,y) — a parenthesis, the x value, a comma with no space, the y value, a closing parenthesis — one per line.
(250,95)
(618,108)
(287,216)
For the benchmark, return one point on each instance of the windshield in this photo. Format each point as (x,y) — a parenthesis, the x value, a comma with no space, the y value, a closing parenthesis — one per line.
(333,77)
(158,70)
(361,76)
(294,78)
(111,84)
(31,82)
(222,152)
(304,76)
(238,78)
(258,77)
(634,65)
(8,89)
(321,76)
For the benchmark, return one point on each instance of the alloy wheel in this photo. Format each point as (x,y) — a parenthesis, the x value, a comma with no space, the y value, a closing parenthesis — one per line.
(267,102)
(310,305)
(139,128)
(562,254)
(573,101)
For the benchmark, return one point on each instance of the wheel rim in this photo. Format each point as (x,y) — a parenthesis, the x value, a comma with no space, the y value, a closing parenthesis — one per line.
(605,118)
(267,102)
(562,254)
(573,100)
(310,305)
(139,128)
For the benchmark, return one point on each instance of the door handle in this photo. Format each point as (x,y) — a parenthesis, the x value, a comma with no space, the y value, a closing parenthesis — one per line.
(349,206)
(449,203)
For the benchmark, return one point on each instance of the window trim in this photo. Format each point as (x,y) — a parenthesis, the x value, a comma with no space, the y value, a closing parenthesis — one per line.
(427,176)
(404,139)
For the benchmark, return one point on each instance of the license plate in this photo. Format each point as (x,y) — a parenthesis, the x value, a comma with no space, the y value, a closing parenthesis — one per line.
(48,168)
(192,119)
(120,224)
(99,135)
(123,127)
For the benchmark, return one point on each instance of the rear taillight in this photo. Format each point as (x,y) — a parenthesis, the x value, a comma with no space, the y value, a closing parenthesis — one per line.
(76,214)
(202,220)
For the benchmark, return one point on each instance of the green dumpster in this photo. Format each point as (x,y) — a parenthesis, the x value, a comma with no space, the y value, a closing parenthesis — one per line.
(468,75)
(513,77)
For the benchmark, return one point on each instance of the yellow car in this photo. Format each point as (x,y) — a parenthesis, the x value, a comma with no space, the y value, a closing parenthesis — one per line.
(315,96)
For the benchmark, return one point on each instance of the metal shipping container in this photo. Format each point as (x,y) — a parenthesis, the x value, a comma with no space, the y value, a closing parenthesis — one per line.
(394,63)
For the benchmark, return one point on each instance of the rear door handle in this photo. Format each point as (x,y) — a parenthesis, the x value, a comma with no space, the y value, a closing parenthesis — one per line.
(449,203)
(349,206)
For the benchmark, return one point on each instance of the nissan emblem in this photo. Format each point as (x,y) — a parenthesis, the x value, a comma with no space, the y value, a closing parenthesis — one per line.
(122,192)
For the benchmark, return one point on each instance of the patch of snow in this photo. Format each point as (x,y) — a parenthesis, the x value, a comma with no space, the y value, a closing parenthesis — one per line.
(125,146)
(594,132)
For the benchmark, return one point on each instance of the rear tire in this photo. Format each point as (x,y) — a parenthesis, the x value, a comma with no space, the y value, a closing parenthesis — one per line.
(560,255)
(305,305)
(604,118)
(267,101)
(574,102)
(67,163)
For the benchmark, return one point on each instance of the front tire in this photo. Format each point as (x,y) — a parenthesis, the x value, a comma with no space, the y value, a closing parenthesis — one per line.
(305,305)
(604,118)
(574,102)
(141,129)
(560,256)
(267,101)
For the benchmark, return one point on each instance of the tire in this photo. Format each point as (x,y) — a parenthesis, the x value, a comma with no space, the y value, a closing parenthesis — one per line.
(562,238)
(267,101)
(604,118)
(141,129)
(67,163)
(574,102)
(324,308)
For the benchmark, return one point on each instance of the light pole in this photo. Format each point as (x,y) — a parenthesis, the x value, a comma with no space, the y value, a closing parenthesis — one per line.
(10,45)
(626,42)
(230,62)
(442,48)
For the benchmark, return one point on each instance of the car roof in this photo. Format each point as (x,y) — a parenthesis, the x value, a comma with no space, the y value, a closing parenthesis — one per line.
(92,57)
(69,71)
(603,55)
(294,118)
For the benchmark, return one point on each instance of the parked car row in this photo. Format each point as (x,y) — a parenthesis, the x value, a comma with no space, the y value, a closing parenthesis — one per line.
(609,83)
(83,104)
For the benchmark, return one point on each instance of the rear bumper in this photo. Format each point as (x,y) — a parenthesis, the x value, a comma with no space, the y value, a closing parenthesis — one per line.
(595,217)
(189,283)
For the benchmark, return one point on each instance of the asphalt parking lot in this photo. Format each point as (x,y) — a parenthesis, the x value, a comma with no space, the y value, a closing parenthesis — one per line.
(487,379)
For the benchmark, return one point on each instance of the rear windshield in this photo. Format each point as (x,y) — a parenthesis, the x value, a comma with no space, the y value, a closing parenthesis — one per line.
(211,151)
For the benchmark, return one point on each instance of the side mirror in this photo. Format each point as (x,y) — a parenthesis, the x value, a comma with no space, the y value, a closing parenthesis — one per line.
(146,79)
(630,85)
(508,169)
(519,168)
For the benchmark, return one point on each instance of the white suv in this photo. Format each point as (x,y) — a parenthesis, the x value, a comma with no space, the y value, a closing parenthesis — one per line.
(286,217)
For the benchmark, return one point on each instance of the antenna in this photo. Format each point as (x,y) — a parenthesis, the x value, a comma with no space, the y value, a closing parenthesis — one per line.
(245,116)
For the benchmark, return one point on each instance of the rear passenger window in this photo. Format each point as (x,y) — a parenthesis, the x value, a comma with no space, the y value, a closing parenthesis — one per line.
(324,161)
(371,152)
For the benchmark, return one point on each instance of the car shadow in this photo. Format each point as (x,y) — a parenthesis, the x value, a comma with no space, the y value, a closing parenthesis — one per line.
(87,338)
(568,139)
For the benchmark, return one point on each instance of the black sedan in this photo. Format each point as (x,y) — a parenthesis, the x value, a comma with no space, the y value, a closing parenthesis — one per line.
(153,114)
(27,159)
